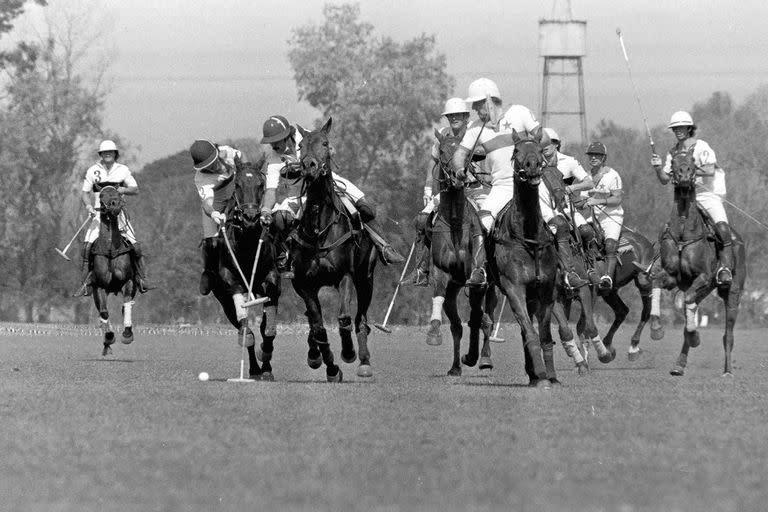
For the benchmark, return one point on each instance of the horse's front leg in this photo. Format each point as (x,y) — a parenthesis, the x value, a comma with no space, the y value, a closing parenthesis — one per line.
(566,334)
(544,318)
(364,289)
(317,339)
(440,280)
(489,319)
(268,326)
(348,354)
(534,364)
(129,292)
(100,300)
(475,323)
(643,284)
(731,297)
(452,312)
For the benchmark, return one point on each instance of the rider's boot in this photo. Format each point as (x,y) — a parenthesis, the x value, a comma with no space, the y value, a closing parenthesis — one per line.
(368,216)
(85,288)
(606,281)
(724,274)
(571,277)
(478,277)
(142,281)
(283,223)
(420,275)
(210,251)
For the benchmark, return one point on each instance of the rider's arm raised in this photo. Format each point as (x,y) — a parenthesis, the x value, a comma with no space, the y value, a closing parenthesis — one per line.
(662,173)
(459,161)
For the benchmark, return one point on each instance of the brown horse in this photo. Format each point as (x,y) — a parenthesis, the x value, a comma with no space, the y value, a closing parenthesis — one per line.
(524,259)
(330,248)
(237,247)
(689,257)
(453,244)
(113,270)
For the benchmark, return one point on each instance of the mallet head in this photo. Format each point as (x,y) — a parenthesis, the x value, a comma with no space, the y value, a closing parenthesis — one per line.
(61,253)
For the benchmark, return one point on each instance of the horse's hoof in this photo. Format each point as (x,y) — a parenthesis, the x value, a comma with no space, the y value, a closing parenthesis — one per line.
(365,370)
(467,361)
(540,384)
(634,355)
(608,356)
(582,368)
(127,337)
(314,363)
(267,376)
(657,334)
(349,358)
(336,378)
(107,350)
(454,372)
(255,376)
(434,338)
(677,371)
(555,383)
(109,338)
(486,363)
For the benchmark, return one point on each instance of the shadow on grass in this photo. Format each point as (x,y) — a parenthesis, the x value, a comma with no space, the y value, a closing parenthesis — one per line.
(108,360)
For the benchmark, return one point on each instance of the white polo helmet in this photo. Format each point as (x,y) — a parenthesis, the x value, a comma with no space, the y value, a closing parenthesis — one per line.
(482,87)
(107,145)
(552,134)
(680,118)
(455,106)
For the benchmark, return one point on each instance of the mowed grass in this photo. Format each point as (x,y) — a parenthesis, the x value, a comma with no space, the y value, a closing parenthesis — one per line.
(137,431)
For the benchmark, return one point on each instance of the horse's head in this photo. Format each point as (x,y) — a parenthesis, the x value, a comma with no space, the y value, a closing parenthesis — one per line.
(447,146)
(528,157)
(683,169)
(112,201)
(315,151)
(249,189)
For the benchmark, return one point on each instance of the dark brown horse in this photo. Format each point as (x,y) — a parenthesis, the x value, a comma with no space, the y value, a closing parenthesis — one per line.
(634,258)
(238,247)
(453,238)
(113,270)
(330,248)
(524,259)
(689,257)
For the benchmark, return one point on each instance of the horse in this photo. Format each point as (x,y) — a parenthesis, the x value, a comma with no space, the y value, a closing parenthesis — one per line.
(524,259)
(689,257)
(634,259)
(329,247)
(452,248)
(238,244)
(112,267)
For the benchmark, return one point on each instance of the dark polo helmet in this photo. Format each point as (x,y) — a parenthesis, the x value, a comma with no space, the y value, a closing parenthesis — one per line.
(597,148)
(204,153)
(275,128)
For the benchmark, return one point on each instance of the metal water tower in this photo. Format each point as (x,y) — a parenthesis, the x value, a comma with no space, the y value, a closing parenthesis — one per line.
(562,44)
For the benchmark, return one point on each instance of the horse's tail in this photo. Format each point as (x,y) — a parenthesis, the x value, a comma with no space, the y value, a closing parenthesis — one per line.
(645,251)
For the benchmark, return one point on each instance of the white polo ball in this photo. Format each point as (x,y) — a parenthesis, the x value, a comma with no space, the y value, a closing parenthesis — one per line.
(203,376)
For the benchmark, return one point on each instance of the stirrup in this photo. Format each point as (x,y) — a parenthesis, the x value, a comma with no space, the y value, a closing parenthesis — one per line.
(727,280)
(577,278)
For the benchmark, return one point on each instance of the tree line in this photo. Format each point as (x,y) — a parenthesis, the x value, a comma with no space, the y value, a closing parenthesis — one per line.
(385,98)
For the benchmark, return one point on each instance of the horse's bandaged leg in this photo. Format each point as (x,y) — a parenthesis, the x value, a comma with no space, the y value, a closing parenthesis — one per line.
(437,308)
(270,321)
(128,313)
(239,300)
(105,325)
(597,342)
(656,302)
(572,351)
(691,316)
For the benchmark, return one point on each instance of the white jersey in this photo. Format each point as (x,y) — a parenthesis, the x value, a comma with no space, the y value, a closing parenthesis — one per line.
(97,173)
(219,186)
(703,155)
(605,184)
(570,168)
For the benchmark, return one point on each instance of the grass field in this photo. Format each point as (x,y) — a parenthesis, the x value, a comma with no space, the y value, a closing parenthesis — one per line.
(137,431)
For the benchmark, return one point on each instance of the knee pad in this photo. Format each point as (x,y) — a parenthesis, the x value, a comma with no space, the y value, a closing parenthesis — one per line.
(367,210)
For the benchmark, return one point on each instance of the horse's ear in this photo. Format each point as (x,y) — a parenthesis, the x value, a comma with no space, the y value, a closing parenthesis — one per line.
(537,133)
(438,135)
(327,126)
(302,131)
(515,136)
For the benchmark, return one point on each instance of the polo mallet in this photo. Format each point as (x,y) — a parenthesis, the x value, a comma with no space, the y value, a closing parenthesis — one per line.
(495,338)
(63,252)
(253,300)
(637,95)
(383,326)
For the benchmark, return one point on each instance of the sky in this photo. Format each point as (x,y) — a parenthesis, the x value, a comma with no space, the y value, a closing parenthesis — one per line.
(182,70)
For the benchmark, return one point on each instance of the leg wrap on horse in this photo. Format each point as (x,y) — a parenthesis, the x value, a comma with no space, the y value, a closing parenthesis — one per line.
(210,252)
